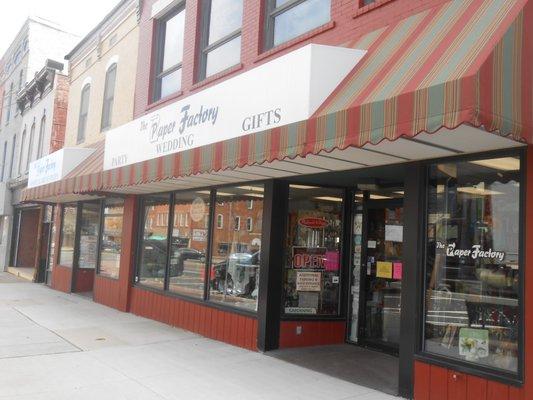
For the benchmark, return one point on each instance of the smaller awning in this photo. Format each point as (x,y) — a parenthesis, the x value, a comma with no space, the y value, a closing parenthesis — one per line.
(59,176)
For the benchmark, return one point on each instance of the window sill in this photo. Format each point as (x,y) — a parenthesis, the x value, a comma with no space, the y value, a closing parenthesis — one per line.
(369,7)
(466,368)
(217,76)
(299,39)
(164,100)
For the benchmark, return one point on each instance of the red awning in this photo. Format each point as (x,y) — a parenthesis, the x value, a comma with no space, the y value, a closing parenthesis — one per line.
(464,62)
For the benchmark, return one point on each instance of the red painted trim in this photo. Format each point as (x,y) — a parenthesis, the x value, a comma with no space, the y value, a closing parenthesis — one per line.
(313,333)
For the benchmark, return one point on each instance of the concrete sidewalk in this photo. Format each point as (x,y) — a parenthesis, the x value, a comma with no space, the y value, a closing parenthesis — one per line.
(57,346)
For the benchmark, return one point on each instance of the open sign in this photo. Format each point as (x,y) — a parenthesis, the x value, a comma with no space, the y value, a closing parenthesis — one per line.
(308,257)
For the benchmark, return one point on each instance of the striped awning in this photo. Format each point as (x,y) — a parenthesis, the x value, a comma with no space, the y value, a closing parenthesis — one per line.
(461,62)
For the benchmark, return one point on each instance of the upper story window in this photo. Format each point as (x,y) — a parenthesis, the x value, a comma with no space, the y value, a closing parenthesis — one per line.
(4,159)
(169,51)
(40,144)
(22,144)
(9,103)
(30,147)
(221,36)
(12,160)
(109,96)
(287,19)
(84,111)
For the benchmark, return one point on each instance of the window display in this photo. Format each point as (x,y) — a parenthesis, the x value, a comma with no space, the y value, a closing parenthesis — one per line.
(111,243)
(473,264)
(68,236)
(236,250)
(89,231)
(154,241)
(189,243)
(313,246)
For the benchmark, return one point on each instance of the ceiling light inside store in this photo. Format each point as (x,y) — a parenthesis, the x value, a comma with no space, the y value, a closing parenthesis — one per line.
(218,193)
(253,195)
(502,164)
(374,196)
(328,198)
(477,190)
(303,187)
(252,188)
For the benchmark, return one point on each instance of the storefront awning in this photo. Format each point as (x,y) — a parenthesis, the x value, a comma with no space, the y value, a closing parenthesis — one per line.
(463,64)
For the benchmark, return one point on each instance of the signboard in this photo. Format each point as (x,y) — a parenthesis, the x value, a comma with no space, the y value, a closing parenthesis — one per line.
(474,252)
(300,310)
(308,257)
(384,269)
(199,235)
(308,281)
(56,166)
(313,223)
(285,90)
(198,209)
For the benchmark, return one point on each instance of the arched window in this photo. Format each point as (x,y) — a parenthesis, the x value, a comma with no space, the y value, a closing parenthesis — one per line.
(109,96)
(21,78)
(9,102)
(40,144)
(84,111)
(30,147)
(4,160)
(22,142)
(12,161)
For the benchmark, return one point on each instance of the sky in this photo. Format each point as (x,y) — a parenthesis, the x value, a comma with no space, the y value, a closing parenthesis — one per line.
(76,16)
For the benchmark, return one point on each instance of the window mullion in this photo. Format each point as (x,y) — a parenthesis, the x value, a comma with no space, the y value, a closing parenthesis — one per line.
(226,39)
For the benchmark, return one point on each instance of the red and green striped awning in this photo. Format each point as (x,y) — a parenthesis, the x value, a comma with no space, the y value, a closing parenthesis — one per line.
(461,62)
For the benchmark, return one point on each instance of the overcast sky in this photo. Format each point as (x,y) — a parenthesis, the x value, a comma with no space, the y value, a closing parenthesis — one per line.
(75,16)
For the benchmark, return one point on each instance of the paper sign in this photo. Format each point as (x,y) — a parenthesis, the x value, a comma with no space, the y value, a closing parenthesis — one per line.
(384,269)
(397,269)
(473,343)
(332,260)
(371,244)
(308,281)
(393,233)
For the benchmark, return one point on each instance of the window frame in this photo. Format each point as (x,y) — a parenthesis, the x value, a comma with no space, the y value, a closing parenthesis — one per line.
(76,234)
(40,144)
(453,363)
(221,225)
(30,147)
(271,12)
(205,48)
(101,237)
(205,301)
(108,101)
(159,52)
(82,128)
(21,151)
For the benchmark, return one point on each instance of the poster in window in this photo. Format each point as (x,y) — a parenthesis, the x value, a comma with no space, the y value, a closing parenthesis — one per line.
(88,251)
(393,233)
(473,343)
(308,281)
(384,269)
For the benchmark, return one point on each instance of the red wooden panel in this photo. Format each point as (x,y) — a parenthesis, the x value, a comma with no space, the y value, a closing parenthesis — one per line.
(516,393)
(234,329)
(439,383)
(254,335)
(456,385)
(497,391)
(241,341)
(422,377)
(476,388)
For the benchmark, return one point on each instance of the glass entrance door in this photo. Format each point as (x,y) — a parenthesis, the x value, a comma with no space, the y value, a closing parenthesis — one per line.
(377,271)
(383,274)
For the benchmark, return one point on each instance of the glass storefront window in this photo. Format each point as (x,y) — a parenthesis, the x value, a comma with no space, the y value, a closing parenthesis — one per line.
(472,262)
(313,251)
(154,241)
(189,243)
(89,231)
(68,236)
(111,242)
(236,251)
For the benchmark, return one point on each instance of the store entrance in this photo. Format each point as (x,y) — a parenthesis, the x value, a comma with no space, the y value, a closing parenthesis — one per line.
(376,278)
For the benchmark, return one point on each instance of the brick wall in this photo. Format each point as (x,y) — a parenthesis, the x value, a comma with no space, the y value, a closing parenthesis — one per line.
(348,21)
(57,138)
